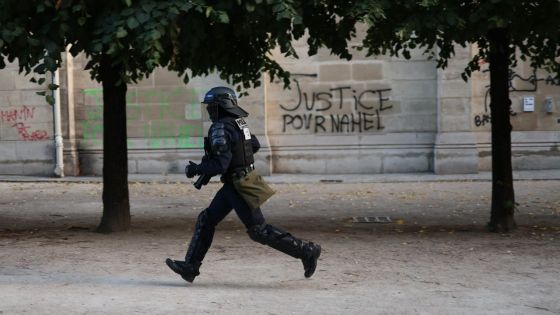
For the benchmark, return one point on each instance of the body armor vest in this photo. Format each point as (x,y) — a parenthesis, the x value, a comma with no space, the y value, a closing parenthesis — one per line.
(242,150)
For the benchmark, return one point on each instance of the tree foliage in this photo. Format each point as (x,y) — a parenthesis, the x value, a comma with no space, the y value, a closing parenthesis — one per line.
(398,27)
(194,37)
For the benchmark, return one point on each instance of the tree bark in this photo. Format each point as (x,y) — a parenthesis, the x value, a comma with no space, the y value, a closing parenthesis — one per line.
(116,206)
(503,199)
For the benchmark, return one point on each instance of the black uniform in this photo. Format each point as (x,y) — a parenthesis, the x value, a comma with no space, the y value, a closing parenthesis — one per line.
(231,155)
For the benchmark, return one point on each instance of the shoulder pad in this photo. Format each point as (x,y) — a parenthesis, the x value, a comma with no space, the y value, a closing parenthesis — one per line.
(218,139)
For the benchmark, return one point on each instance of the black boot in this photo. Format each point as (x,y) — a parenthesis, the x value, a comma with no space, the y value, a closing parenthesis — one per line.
(185,270)
(283,241)
(200,242)
(311,255)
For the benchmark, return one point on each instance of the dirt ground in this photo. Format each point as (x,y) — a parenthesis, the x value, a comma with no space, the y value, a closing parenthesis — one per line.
(433,258)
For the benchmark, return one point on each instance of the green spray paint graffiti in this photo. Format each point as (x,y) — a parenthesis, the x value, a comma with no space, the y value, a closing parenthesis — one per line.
(157,118)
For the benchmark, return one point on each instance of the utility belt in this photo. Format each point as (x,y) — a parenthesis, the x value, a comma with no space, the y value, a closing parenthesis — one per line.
(237,173)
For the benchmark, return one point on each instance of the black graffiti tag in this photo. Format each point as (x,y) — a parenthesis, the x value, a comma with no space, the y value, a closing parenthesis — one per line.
(365,117)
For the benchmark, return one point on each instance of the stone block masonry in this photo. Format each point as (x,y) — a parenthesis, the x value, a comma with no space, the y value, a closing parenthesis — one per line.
(160,114)
(367,71)
(25,126)
(368,115)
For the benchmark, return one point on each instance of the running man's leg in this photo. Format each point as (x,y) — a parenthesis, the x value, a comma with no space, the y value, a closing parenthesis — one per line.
(272,236)
(202,237)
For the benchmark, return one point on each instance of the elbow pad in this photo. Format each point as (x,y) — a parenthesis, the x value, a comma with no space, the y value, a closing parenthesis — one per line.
(218,141)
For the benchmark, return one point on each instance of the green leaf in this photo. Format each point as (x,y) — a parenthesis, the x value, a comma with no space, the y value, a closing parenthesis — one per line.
(427,3)
(158,46)
(50,99)
(53,86)
(42,93)
(277,8)
(121,32)
(406,54)
(132,22)
(209,10)
(142,17)
(128,2)
(249,7)
(127,12)
(112,49)
(157,14)
(41,69)
(97,47)
(451,19)
(148,6)
(41,81)
(174,10)
(155,35)
(51,47)
(223,17)
(186,6)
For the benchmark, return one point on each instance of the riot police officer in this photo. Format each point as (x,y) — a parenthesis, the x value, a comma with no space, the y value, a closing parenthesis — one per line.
(232,148)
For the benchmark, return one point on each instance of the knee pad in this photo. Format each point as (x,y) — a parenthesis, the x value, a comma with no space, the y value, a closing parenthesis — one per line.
(266,233)
(277,238)
(258,233)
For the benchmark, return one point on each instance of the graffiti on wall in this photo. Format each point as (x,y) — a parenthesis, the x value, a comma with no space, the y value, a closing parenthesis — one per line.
(19,119)
(316,111)
(160,127)
(516,83)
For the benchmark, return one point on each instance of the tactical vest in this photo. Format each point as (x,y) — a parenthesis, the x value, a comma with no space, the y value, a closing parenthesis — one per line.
(242,150)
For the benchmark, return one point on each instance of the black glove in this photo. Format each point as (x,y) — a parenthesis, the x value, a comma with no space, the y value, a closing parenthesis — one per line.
(192,169)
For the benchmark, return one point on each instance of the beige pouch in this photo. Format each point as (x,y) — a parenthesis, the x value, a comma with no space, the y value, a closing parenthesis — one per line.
(253,189)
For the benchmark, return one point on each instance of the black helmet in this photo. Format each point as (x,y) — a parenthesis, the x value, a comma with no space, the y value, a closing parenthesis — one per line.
(225,99)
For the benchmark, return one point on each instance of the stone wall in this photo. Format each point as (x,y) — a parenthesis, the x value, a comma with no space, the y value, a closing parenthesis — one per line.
(165,122)
(370,115)
(455,149)
(536,133)
(26,126)
(367,115)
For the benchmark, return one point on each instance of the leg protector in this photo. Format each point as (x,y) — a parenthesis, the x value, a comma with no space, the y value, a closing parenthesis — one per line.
(201,239)
(278,239)
(283,241)
(200,242)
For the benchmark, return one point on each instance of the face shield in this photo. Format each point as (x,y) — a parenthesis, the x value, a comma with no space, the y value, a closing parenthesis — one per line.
(213,110)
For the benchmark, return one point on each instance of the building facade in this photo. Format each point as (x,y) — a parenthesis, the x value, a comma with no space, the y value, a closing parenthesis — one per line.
(368,115)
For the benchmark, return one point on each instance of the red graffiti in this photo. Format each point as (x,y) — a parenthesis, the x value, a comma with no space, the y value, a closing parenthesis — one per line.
(13,115)
(20,115)
(36,135)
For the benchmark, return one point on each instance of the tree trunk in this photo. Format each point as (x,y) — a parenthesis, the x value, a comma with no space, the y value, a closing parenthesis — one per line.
(503,199)
(116,207)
